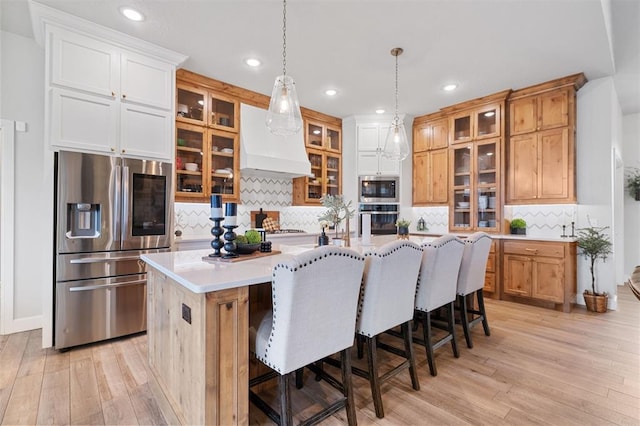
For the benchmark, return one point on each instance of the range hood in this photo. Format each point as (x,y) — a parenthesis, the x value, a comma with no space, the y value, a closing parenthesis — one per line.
(265,154)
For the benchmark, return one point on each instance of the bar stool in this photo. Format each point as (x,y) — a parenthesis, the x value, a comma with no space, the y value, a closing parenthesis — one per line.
(437,288)
(386,301)
(471,281)
(313,315)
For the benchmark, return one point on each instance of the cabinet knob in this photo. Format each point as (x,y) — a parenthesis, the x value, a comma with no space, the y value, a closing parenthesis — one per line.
(123,151)
(113,149)
(113,93)
(124,96)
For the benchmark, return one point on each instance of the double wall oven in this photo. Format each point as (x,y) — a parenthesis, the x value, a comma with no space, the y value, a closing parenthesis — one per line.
(379,196)
(109,211)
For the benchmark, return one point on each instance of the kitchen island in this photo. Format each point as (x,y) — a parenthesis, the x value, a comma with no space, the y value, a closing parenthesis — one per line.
(198,331)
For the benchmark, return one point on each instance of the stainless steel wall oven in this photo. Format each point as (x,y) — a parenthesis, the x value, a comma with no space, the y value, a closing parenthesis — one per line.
(109,210)
(383,217)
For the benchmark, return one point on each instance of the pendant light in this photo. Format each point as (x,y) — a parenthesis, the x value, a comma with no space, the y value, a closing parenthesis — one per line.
(283,116)
(396,146)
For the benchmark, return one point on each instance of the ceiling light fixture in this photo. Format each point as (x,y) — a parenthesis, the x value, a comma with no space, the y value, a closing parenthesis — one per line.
(253,62)
(331,92)
(132,14)
(396,146)
(380,111)
(450,87)
(284,117)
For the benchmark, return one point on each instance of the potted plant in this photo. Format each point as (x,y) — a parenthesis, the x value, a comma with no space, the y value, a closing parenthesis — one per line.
(594,244)
(518,226)
(403,228)
(633,182)
(337,211)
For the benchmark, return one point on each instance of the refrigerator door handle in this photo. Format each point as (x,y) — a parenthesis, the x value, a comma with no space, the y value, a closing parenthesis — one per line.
(102,259)
(116,195)
(105,286)
(124,211)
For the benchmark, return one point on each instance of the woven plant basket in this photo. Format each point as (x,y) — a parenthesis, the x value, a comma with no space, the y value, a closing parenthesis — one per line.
(596,302)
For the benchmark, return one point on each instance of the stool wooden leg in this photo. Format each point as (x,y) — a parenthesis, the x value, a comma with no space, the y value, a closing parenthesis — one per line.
(465,320)
(350,406)
(485,323)
(452,329)
(426,331)
(408,349)
(286,417)
(374,380)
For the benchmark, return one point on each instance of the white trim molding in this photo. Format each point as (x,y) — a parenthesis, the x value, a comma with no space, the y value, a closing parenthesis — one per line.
(7,224)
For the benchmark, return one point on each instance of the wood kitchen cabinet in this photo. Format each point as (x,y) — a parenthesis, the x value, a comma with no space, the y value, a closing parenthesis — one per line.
(541,144)
(430,160)
(540,271)
(207,133)
(324,149)
(118,101)
(478,123)
(431,177)
(490,278)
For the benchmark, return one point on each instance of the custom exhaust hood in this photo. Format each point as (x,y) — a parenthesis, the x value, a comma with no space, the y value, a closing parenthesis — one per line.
(265,154)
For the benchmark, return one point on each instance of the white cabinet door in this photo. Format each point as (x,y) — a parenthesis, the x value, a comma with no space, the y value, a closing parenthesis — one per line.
(146,132)
(83,122)
(388,167)
(84,63)
(368,163)
(146,81)
(368,137)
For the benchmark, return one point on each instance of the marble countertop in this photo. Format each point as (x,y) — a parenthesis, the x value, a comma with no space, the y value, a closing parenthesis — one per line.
(502,236)
(200,276)
(270,237)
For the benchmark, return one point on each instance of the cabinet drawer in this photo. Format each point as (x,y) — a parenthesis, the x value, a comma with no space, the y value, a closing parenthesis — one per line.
(534,249)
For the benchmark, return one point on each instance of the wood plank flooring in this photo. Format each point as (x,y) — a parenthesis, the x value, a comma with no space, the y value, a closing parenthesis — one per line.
(538,367)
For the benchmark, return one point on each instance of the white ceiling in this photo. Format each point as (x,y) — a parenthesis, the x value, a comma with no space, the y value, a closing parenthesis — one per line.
(483,45)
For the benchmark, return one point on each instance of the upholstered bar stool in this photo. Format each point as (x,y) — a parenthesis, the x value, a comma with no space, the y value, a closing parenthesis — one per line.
(437,285)
(386,301)
(471,281)
(313,315)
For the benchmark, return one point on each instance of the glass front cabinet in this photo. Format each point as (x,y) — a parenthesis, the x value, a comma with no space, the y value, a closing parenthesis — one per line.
(207,144)
(475,186)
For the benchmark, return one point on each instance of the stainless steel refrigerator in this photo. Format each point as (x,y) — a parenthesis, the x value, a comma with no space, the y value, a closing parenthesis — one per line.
(109,211)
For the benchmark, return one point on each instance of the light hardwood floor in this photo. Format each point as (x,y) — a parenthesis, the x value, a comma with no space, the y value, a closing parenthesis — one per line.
(539,366)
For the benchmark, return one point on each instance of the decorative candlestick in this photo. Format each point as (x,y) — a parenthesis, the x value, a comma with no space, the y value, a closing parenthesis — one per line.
(216,230)
(573,233)
(564,233)
(230,223)
(230,242)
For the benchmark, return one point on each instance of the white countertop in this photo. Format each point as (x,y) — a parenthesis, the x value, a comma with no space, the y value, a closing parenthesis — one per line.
(200,276)
(502,236)
(270,237)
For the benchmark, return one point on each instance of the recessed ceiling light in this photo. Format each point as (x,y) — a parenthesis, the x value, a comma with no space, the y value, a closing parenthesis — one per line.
(330,92)
(379,111)
(253,62)
(450,87)
(132,14)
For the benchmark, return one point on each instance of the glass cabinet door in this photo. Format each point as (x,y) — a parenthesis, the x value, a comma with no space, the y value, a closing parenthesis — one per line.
(223,113)
(223,146)
(191,107)
(463,204)
(189,160)
(333,141)
(332,178)
(486,185)
(487,122)
(314,184)
(461,128)
(313,136)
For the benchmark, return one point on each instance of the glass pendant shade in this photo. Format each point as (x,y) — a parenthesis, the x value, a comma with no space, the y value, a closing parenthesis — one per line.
(284,117)
(396,146)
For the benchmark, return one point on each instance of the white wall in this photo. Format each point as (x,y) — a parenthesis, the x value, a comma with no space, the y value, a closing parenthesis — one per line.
(598,124)
(22,99)
(631,158)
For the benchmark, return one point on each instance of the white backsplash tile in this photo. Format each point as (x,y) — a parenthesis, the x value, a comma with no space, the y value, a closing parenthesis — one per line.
(436,218)
(544,220)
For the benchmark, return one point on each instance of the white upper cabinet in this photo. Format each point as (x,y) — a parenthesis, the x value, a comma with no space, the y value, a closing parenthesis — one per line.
(105,97)
(371,139)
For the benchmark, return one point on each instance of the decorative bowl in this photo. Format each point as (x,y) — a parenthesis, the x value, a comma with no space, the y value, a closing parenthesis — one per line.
(192,167)
(243,248)
(463,204)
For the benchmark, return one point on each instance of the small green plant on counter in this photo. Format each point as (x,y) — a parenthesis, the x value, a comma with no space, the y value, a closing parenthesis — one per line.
(518,223)
(594,244)
(253,236)
(402,223)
